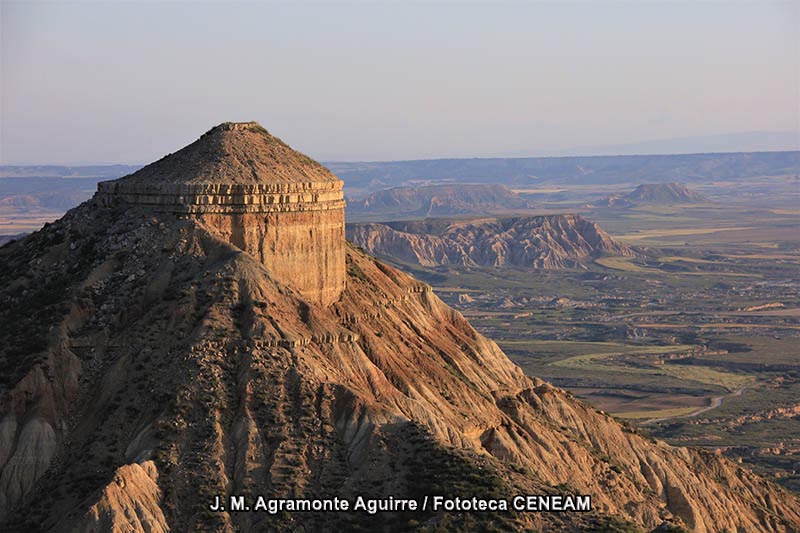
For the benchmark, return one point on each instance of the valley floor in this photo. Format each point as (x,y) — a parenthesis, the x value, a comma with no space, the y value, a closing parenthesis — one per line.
(696,344)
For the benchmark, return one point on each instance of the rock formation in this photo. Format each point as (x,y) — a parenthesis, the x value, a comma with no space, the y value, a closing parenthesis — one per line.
(656,194)
(256,193)
(549,242)
(664,193)
(149,363)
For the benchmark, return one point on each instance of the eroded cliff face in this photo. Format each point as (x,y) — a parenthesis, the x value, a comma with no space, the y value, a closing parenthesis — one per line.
(303,249)
(129,502)
(177,368)
(550,242)
(256,193)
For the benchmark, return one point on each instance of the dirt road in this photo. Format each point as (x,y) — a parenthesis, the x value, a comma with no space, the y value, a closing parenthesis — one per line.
(716,401)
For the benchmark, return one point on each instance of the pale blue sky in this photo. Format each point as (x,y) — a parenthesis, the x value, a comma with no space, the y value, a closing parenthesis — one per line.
(129,81)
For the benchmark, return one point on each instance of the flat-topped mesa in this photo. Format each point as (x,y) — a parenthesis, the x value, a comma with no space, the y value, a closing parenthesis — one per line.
(257,193)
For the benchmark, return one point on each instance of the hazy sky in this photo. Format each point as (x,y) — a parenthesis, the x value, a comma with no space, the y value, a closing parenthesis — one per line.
(130,81)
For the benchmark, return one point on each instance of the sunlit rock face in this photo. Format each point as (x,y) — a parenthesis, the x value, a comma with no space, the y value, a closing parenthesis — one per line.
(148,364)
(547,242)
(258,194)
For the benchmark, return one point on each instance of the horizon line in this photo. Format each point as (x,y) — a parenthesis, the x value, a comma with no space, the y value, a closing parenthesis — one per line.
(454,158)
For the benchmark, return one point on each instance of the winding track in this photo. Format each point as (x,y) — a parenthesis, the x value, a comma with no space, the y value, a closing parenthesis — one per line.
(716,401)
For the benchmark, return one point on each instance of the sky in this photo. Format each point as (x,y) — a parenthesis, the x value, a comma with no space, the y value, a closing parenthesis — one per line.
(128,82)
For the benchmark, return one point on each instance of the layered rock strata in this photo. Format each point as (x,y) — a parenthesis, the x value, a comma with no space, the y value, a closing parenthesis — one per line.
(547,242)
(259,195)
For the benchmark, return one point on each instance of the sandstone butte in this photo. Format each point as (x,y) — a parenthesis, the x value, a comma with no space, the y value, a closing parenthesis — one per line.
(201,328)
(258,194)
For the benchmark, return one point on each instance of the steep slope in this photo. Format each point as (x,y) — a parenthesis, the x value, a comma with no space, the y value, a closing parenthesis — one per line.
(438,200)
(259,194)
(233,153)
(550,242)
(664,193)
(150,365)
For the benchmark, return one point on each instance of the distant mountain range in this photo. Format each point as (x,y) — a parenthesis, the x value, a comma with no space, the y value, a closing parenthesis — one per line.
(52,188)
(62,171)
(365,178)
(437,200)
(368,177)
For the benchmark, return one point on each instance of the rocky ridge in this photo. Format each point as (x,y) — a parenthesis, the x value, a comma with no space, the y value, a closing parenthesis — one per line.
(549,242)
